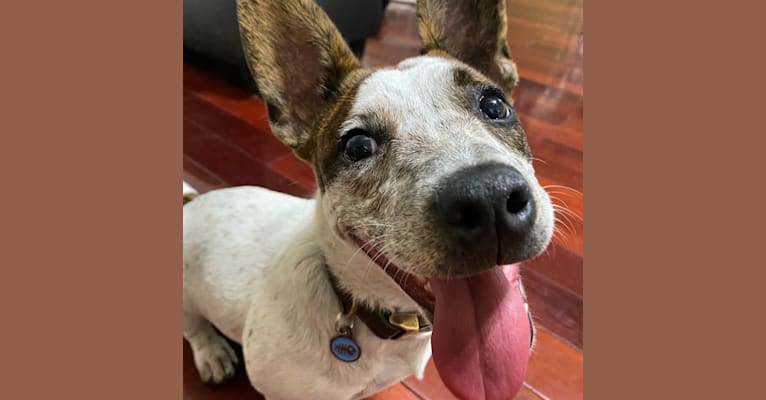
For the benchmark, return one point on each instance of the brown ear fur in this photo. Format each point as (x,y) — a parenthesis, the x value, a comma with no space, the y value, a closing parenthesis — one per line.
(474,32)
(298,59)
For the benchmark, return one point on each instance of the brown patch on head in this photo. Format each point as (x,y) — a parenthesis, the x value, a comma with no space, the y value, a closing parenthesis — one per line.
(298,59)
(464,77)
(473,32)
(426,118)
(469,88)
(321,148)
(379,124)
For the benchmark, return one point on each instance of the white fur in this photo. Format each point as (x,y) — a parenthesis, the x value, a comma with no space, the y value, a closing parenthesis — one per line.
(254,268)
(418,93)
(255,260)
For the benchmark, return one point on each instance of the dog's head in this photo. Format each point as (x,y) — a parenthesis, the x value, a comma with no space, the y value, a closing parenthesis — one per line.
(424,166)
(427,161)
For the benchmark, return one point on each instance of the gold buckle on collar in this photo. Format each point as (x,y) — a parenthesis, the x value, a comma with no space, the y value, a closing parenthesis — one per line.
(409,322)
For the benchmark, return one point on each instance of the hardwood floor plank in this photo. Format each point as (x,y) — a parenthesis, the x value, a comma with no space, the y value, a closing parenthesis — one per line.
(561,80)
(228,98)
(545,31)
(562,155)
(199,177)
(233,164)
(292,167)
(560,265)
(549,104)
(555,368)
(553,306)
(257,141)
(537,128)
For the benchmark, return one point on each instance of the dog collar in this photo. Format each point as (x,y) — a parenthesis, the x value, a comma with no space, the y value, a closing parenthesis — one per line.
(385,324)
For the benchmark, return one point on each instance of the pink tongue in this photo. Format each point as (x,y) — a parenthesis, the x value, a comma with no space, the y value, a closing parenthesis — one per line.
(481,334)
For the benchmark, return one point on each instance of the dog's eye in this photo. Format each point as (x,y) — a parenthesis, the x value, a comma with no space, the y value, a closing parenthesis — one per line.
(359,146)
(494,107)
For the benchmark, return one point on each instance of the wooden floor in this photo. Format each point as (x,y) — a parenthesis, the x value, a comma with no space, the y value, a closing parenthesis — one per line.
(227,142)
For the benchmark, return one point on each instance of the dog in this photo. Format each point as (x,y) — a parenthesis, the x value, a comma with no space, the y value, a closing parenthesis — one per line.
(426,201)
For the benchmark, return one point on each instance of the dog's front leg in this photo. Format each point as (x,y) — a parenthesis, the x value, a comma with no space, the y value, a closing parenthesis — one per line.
(215,359)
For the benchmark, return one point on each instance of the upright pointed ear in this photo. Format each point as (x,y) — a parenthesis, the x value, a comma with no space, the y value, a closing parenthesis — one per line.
(474,32)
(298,59)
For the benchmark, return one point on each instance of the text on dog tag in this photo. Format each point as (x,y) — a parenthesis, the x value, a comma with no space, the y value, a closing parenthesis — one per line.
(345,348)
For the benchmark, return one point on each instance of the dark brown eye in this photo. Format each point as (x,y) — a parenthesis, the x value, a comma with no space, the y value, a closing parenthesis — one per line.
(494,107)
(359,146)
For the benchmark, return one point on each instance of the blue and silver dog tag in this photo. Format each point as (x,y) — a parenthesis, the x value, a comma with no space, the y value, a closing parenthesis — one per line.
(345,348)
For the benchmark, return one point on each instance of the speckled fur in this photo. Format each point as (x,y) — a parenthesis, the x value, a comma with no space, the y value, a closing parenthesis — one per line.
(430,133)
(256,261)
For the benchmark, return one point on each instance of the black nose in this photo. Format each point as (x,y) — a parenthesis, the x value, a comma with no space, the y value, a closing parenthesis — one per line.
(488,202)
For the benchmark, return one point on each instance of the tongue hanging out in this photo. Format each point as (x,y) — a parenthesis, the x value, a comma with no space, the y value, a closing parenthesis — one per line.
(481,334)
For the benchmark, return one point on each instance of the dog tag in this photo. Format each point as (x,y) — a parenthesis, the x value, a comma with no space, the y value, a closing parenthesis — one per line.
(345,348)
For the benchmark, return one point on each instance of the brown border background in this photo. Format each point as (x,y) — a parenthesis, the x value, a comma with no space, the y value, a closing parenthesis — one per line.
(91,217)
(91,213)
(673,98)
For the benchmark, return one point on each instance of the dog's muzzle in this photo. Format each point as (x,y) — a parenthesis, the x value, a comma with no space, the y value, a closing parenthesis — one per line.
(488,211)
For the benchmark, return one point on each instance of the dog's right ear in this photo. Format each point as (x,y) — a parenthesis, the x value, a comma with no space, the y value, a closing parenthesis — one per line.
(298,59)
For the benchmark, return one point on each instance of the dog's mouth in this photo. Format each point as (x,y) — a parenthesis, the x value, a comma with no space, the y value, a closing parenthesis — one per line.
(417,287)
(481,331)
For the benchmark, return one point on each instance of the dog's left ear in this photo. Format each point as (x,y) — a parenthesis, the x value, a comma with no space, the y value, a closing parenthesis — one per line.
(474,32)
(298,59)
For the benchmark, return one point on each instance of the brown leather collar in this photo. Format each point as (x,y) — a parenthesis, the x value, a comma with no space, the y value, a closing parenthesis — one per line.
(378,321)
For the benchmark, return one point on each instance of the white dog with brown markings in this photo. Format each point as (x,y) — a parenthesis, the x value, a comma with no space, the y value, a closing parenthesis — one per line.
(426,200)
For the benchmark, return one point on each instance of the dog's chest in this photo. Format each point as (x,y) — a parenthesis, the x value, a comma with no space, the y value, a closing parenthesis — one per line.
(288,354)
(393,361)
(314,370)
(393,369)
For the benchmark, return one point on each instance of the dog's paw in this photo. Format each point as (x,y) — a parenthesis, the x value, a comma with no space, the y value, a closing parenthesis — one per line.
(216,361)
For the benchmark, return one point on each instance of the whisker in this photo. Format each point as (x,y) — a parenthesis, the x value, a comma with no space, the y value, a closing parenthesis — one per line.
(375,260)
(562,187)
(371,243)
(562,235)
(566,223)
(567,212)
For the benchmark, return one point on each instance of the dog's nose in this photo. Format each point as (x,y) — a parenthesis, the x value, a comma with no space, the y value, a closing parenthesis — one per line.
(488,202)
